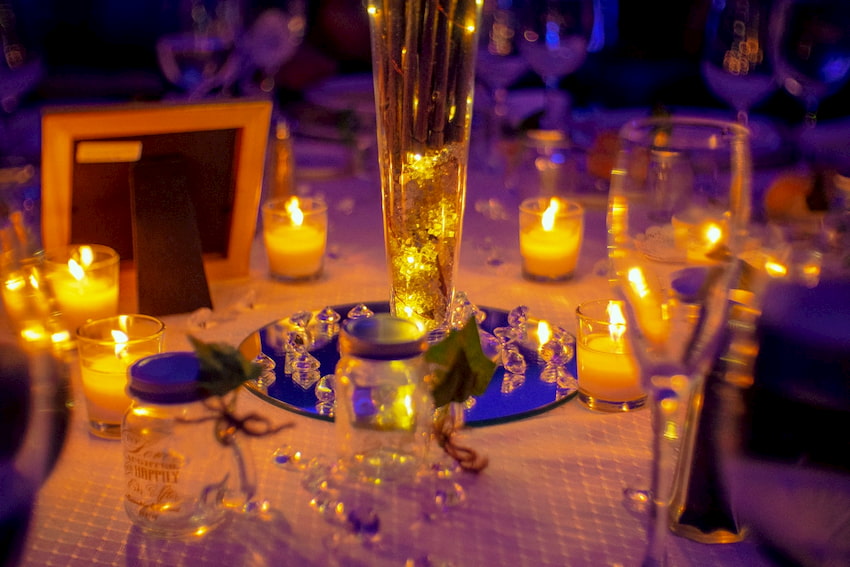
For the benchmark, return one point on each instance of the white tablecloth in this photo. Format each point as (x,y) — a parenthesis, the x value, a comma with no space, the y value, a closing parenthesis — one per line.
(552,494)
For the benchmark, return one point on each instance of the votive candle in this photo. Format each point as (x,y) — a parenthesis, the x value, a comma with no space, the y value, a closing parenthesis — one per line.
(295,236)
(550,237)
(84,281)
(608,374)
(107,347)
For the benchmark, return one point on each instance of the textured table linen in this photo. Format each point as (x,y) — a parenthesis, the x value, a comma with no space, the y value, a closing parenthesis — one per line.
(551,496)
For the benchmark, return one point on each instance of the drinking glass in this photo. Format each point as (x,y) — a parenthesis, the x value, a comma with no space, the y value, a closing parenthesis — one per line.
(499,64)
(679,197)
(810,48)
(734,61)
(273,31)
(193,53)
(555,36)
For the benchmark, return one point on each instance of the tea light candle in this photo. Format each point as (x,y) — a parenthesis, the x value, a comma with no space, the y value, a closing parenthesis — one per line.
(85,298)
(104,382)
(699,233)
(608,374)
(295,235)
(550,238)
(84,282)
(606,369)
(106,348)
(28,306)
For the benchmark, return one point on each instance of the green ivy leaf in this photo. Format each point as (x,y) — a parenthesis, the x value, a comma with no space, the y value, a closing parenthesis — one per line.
(462,369)
(222,367)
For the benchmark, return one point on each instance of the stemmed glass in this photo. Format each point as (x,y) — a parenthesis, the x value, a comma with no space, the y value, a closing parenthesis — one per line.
(679,198)
(498,66)
(555,37)
(734,62)
(222,45)
(193,53)
(273,31)
(810,48)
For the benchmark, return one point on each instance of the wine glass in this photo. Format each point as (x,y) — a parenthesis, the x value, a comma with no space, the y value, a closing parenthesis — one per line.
(810,48)
(499,64)
(192,54)
(273,31)
(734,62)
(679,204)
(555,35)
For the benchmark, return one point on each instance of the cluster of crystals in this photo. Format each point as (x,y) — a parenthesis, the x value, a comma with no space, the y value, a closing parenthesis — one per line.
(296,336)
(423,221)
(557,352)
(293,339)
(355,506)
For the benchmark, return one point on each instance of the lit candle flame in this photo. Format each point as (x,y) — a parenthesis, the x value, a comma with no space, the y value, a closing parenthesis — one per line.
(295,212)
(548,220)
(713,233)
(616,321)
(76,270)
(86,256)
(544,333)
(120,338)
(638,281)
(775,269)
(86,259)
(14,284)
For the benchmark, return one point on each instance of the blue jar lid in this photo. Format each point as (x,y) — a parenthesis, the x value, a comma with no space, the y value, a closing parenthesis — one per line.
(382,337)
(166,378)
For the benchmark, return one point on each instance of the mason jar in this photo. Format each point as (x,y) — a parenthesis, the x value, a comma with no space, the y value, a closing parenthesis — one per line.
(383,405)
(182,465)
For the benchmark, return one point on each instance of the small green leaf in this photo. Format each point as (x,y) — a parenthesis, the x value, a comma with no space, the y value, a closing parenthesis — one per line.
(222,367)
(462,368)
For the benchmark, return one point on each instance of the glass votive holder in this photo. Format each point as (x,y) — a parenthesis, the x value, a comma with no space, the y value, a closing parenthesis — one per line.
(608,374)
(29,304)
(295,232)
(84,281)
(550,237)
(106,348)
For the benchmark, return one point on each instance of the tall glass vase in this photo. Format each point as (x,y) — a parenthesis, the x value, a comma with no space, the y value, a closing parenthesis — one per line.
(423,61)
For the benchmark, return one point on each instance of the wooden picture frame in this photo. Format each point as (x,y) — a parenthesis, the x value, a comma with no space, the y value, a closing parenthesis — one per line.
(88,158)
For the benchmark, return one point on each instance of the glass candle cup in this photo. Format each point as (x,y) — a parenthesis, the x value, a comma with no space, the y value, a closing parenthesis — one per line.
(106,349)
(550,237)
(30,305)
(84,281)
(608,374)
(295,232)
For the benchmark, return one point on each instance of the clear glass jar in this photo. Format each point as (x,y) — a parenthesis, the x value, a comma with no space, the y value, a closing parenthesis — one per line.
(383,406)
(182,465)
